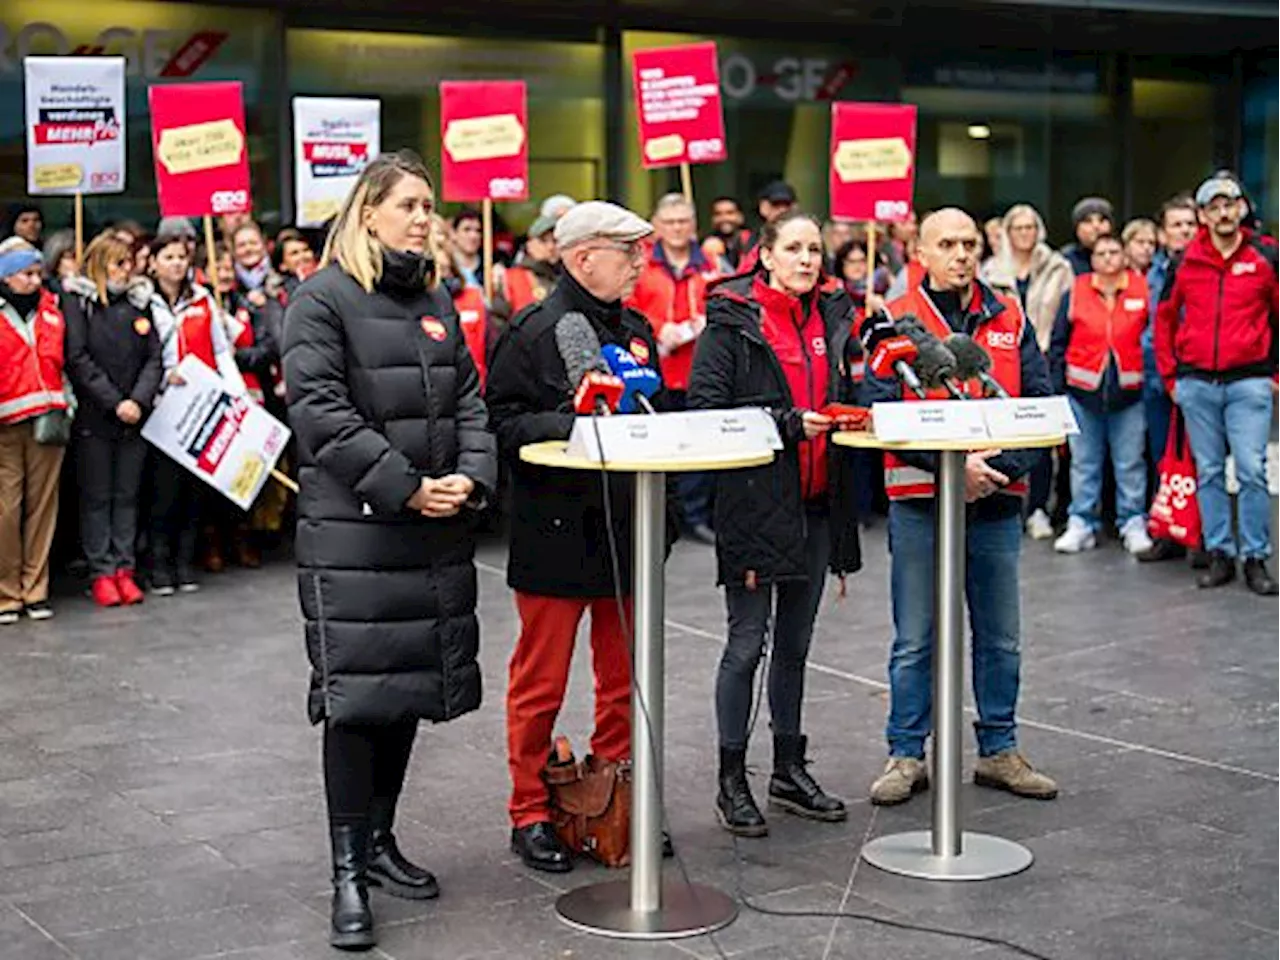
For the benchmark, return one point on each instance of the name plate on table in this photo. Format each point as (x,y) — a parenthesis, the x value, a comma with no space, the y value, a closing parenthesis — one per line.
(928,420)
(1028,417)
(662,437)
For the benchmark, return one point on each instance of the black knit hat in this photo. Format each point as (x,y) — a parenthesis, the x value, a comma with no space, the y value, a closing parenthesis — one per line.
(1088,206)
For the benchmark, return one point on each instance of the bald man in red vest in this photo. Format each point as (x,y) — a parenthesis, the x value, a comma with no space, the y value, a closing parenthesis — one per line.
(950,299)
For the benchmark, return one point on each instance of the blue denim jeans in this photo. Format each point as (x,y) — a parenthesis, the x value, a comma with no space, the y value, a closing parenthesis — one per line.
(1124,432)
(1232,416)
(991,587)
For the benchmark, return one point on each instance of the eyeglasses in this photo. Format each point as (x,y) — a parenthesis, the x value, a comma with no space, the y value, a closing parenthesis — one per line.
(632,250)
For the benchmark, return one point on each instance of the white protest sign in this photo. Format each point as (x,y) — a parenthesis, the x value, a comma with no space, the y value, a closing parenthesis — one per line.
(75,124)
(228,441)
(334,139)
(928,420)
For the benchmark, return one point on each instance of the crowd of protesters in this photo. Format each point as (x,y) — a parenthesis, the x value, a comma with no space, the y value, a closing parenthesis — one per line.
(1133,318)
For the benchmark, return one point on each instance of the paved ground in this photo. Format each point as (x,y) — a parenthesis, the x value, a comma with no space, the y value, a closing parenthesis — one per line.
(160,793)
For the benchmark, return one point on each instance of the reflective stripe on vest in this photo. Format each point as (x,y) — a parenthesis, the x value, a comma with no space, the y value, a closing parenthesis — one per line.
(1001,338)
(1101,331)
(31,404)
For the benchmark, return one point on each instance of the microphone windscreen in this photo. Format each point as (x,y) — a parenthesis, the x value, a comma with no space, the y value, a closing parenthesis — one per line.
(579,347)
(971,359)
(935,363)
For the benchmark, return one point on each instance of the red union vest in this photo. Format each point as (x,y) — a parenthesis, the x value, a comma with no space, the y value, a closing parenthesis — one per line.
(1099,332)
(31,359)
(244,338)
(522,288)
(473,319)
(1000,335)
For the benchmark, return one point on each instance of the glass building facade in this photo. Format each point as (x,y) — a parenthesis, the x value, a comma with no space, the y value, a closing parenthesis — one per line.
(1014,110)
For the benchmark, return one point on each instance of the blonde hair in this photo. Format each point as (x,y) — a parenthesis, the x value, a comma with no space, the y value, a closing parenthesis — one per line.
(1133,226)
(350,244)
(98,256)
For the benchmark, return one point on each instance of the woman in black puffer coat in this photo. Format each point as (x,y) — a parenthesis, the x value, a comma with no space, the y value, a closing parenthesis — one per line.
(395,453)
(775,340)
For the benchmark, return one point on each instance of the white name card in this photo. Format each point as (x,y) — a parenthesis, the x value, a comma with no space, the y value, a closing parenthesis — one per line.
(690,437)
(1028,417)
(1018,418)
(928,420)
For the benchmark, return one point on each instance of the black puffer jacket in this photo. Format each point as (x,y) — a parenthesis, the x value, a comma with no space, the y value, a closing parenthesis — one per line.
(113,354)
(559,541)
(382,392)
(759,512)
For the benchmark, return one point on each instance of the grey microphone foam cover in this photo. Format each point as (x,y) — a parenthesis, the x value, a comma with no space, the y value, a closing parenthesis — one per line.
(971,359)
(579,347)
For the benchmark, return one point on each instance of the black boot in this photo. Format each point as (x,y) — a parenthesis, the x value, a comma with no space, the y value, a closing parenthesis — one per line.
(735,807)
(388,867)
(1221,570)
(1258,579)
(352,921)
(792,789)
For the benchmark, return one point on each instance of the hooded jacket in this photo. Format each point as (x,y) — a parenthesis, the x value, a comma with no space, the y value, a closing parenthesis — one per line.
(760,512)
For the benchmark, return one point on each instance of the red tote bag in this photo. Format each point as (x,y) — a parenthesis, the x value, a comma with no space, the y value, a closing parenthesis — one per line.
(1175,512)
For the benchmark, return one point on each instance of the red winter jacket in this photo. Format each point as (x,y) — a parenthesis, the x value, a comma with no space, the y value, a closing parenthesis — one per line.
(1217,318)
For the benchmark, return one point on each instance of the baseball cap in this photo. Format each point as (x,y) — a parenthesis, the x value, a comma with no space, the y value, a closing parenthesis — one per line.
(598,218)
(543,225)
(557,205)
(1218,186)
(779,191)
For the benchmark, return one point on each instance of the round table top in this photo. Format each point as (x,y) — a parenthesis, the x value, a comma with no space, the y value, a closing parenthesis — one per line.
(553,453)
(868,441)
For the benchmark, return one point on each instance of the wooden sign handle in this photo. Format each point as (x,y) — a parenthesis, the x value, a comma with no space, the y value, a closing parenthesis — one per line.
(486,220)
(211,257)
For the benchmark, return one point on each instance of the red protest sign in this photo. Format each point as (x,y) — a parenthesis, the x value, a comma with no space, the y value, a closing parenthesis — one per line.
(484,131)
(678,105)
(873,166)
(200,149)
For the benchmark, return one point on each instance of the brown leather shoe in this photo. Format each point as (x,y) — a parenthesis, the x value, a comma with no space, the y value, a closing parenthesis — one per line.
(1011,771)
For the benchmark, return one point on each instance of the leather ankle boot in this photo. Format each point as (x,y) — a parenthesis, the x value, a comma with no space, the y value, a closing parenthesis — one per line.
(351,925)
(793,790)
(388,867)
(1257,578)
(735,807)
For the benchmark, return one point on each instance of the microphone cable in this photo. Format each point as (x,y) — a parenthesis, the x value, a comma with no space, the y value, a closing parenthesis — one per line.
(762,672)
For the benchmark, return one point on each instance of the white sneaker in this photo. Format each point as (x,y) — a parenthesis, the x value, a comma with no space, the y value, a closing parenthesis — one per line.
(1135,536)
(1038,526)
(9,617)
(1077,538)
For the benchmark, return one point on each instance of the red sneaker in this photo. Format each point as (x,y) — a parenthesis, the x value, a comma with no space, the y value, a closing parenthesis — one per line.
(130,592)
(105,592)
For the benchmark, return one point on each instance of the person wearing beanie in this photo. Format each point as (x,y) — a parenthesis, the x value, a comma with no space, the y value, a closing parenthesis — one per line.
(1091,217)
(35,407)
(26,221)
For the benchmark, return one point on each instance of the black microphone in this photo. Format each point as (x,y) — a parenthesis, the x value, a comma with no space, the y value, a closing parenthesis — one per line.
(935,364)
(888,351)
(974,362)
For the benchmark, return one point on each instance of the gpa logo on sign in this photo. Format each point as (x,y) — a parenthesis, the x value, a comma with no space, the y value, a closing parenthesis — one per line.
(892,209)
(229,201)
(434,329)
(506,188)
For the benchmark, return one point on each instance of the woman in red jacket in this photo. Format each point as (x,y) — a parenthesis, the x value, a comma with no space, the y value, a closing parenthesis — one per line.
(34,403)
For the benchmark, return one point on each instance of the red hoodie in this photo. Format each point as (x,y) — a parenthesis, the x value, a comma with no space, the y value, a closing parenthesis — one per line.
(1217,318)
(794,330)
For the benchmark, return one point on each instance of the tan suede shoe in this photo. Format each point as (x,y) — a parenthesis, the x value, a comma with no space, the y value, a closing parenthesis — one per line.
(902,777)
(1011,771)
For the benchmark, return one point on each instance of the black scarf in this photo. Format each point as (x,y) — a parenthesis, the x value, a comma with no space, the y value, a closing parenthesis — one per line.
(23,303)
(404,272)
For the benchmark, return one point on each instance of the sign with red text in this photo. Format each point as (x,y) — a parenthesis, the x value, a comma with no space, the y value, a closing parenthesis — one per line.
(224,438)
(873,160)
(484,139)
(678,105)
(75,124)
(334,138)
(200,148)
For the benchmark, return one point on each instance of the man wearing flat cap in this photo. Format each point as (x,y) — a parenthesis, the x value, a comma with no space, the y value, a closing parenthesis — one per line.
(560,565)
(1216,351)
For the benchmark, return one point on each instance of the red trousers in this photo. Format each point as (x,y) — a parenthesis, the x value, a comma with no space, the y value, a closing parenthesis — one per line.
(539,674)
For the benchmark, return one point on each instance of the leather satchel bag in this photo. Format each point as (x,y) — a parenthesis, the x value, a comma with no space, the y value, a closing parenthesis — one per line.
(591,805)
